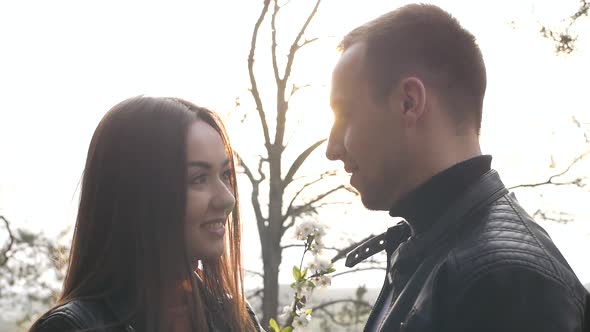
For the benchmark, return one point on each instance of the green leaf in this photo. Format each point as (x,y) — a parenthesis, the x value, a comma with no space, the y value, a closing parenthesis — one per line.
(296,273)
(304,273)
(287,329)
(309,311)
(274,326)
(331,269)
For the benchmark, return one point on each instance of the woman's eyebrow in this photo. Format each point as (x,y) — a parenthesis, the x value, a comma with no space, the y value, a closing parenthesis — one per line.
(204,164)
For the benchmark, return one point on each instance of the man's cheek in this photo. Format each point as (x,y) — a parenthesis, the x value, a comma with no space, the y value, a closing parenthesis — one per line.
(349,139)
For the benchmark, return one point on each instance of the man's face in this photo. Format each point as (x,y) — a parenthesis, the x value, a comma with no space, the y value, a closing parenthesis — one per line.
(367,135)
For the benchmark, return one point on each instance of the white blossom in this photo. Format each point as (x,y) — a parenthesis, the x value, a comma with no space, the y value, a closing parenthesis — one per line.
(302,288)
(319,264)
(319,231)
(322,281)
(305,229)
(310,228)
(286,313)
(301,321)
(316,249)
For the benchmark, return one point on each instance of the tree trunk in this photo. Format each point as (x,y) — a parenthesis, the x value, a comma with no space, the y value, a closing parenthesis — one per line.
(271,256)
(270,301)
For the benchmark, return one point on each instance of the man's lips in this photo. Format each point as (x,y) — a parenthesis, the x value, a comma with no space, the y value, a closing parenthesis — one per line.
(349,169)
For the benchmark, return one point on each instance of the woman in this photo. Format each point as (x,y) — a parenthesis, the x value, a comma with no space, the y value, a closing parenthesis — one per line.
(157,240)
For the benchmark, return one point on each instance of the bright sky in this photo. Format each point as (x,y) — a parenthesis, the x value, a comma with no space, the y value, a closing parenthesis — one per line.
(63,64)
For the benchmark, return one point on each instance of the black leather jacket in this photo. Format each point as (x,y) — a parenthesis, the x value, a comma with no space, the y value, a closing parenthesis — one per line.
(102,315)
(484,266)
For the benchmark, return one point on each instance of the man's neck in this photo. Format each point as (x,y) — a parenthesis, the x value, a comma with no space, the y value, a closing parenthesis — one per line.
(421,207)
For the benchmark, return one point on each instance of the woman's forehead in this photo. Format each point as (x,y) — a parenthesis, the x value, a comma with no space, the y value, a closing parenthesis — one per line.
(204,144)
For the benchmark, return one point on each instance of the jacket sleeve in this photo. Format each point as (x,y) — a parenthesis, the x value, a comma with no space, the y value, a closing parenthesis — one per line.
(254,318)
(515,298)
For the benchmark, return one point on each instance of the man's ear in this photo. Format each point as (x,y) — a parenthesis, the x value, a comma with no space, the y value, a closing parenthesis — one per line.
(410,98)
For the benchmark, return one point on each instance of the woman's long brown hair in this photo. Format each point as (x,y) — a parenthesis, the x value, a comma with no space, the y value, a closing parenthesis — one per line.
(128,239)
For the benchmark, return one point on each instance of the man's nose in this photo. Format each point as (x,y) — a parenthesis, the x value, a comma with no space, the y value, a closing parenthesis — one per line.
(335,149)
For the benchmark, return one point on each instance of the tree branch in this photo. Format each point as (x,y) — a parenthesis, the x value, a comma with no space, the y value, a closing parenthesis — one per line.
(578,182)
(287,226)
(329,303)
(579,125)
(342,323)
(299,213)
(296,211)
(256,273)
(260,172)
(247,170)
(565,41)
(351,322)
(295,88)
(308,41)
(254,89)
(295,46)
(322,176)
(305,186)
(359,270)
(556,216)
(254,198)
(257,292)
(286,3)
(10,242)
(275,66)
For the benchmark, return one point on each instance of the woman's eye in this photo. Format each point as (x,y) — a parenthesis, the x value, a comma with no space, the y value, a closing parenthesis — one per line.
(199,179)
(227,175)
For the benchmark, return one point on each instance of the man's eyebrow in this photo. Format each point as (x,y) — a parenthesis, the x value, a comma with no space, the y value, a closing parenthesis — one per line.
(204,164)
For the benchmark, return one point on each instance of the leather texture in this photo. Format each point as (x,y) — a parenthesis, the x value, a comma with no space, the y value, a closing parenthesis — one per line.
(489,267)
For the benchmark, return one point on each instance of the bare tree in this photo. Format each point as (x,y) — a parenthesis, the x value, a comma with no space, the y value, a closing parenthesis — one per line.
(284,207)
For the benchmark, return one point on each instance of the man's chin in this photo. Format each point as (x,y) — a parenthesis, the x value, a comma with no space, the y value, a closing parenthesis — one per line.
(373,202)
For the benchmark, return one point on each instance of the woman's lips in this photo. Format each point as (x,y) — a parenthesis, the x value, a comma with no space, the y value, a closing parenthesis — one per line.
(214,227)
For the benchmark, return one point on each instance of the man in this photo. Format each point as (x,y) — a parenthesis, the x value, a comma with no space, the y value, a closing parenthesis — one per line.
(407,96)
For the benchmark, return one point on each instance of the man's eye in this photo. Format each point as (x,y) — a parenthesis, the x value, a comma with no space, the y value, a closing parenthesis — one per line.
(199,179)
(341,115)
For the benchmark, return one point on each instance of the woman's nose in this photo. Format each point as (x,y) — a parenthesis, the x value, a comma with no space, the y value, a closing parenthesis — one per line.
(224,197)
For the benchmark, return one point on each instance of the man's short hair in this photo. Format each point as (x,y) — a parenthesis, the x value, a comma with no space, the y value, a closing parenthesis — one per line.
(425,41)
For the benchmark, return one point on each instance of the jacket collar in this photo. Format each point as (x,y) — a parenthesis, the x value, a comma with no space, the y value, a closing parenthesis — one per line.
(120,305)
(424,205)
(485,189)
(452,223)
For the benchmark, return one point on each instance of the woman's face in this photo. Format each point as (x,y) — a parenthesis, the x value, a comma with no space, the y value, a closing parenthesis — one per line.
(210,198)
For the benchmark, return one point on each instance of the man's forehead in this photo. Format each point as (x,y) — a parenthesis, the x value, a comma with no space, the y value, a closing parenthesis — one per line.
(351,63)
(348,74)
